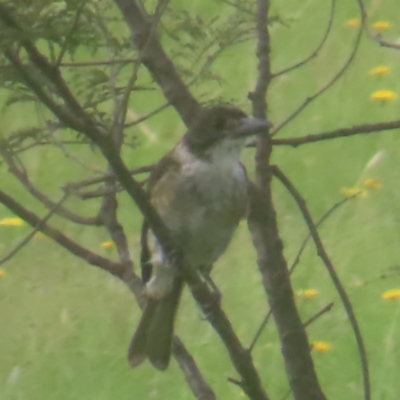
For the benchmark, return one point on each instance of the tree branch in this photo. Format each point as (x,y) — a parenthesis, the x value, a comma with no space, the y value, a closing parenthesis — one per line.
(157,62)
(265,235)
(338,133)
(116,269)
(23,178)
(334,277)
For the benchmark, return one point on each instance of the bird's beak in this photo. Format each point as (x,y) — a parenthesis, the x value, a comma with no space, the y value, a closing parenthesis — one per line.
(250,127)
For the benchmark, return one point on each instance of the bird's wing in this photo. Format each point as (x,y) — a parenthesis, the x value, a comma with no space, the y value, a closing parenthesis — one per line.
(161,191)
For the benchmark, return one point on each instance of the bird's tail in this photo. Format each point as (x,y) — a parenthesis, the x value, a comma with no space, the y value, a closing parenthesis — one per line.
(153,337)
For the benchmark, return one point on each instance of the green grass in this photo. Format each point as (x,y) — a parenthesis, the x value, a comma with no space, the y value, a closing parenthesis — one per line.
(65,326)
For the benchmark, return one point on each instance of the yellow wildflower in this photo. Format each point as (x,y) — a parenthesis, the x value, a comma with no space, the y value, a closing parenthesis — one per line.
(3,274)
(372,183)
(353,23)
(349,192)
(308,293)
(14,221)
(321,347)
(108,245)
(381,25)
(393,294)
(381,70)
(383,95)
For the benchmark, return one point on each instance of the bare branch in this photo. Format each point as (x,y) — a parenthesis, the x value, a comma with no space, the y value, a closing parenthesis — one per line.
(318,48)
(334,277)
(260,329)
(338,133)
(385,43)
(116,269)
(296,261)
(265,235)
(23,178)
(193,376)
(25,241)
(326,309)
(317,225)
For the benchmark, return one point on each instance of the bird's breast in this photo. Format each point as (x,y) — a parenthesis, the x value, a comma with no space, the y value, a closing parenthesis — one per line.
(202,204)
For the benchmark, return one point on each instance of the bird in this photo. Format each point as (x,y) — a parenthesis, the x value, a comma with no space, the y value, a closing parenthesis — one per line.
(200,190)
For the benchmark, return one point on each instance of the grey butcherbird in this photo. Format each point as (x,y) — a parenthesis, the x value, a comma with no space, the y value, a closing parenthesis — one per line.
(200,190)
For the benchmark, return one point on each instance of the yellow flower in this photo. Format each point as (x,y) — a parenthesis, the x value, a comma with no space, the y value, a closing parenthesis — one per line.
(12,222)
(393,294)
(308,293)
(381,70)
(372,183)
(381,25)
(349,192)
(108,245)
(3,274)
(321,347)
(353,23)
(383,95)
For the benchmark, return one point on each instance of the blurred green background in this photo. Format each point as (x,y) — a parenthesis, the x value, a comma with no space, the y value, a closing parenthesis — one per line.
(65,326)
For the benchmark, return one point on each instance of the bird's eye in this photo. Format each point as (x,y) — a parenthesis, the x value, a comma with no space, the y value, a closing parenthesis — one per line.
(220,123)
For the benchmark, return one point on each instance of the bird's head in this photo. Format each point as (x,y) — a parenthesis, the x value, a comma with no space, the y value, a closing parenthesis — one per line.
(221,131)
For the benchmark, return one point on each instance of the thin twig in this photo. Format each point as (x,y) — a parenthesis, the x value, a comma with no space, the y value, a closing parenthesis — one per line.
(69,35)
(23,178)
(374,36)
(96,63)
(317,225)
(326,309)
(334,277)
(93,181)
(330,83)
(149,115)
(116,269)
(317,49)
(296,261)
(338,133)
(260,329)
(37,228)
(235,382)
